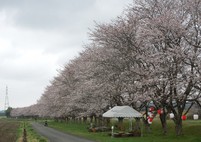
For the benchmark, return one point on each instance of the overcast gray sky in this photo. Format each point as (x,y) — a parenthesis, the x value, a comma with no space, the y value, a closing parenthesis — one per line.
(37,37)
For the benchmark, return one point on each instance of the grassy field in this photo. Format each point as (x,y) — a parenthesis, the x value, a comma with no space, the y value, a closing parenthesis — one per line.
(191,130)
(10,130)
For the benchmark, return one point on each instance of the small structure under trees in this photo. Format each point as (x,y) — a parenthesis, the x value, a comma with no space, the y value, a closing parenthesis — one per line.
(122,112)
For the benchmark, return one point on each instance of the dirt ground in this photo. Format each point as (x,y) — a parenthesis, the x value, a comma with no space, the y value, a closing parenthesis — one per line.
(8,130)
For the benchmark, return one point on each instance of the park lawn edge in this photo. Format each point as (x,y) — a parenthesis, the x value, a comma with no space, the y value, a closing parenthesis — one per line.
(191,132)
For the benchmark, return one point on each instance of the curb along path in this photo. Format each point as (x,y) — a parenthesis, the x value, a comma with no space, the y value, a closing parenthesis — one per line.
(56,136)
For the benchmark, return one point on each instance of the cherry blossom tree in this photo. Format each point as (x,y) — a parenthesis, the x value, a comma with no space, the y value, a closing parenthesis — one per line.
(151,53)
(173,36)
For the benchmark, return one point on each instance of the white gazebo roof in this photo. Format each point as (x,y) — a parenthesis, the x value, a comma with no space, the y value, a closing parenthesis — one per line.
(122,111)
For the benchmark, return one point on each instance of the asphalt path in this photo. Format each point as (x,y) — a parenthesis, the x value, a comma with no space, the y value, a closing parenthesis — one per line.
(56,136)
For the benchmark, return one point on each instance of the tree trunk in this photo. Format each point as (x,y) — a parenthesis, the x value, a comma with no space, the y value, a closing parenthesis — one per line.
(79,120)
(95,120)
(100,121)
(91,119)
(164,123)
(147,128)
(178,127)
(146,124)
(85,119)
(73,119)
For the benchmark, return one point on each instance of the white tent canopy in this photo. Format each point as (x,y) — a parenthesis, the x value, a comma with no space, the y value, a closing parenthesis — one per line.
(122,111)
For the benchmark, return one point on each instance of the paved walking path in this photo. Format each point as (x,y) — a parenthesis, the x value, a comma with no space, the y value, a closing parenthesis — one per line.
(56,136)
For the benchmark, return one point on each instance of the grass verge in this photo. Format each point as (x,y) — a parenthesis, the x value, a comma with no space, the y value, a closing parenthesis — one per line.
(31,135)
(191,129)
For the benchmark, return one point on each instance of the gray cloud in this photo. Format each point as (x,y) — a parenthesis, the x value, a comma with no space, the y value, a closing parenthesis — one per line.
(47,14)
(37,37)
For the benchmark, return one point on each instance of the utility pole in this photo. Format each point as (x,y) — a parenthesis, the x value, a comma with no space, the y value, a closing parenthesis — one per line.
(6,99)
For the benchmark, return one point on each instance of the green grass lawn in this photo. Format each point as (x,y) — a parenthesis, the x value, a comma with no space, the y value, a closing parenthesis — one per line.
(191,130)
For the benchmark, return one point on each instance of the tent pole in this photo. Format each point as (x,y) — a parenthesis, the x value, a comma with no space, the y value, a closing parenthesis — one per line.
(131,124)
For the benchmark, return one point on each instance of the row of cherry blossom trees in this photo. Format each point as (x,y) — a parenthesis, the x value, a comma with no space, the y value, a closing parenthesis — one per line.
(151,53)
